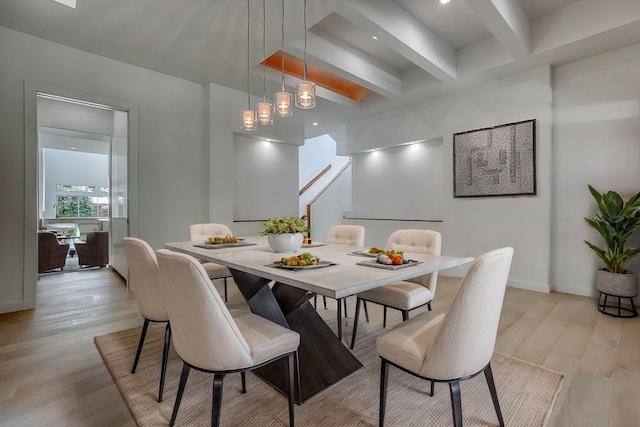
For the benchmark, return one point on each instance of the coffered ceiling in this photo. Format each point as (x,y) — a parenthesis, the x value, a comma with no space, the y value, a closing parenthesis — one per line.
(421,49)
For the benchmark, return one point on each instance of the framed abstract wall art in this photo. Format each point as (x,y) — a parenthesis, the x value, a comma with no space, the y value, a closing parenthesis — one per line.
(495,161)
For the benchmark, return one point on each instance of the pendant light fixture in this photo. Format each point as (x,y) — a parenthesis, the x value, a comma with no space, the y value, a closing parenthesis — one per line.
(248,115)
(306,91)
(283,98)
(265,109)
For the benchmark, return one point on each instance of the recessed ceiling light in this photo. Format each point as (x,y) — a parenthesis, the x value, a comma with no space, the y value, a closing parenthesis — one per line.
(73,148)
(70,3)
(315,123)
(444,1)
(374,37)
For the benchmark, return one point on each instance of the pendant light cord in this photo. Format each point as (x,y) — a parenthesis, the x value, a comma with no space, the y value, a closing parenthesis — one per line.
(282,50)
(264,50)
(248,43)
(305,40)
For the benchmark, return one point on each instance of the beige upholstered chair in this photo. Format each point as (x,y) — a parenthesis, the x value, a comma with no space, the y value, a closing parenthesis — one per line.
(455,346)
(201,232)
(408,294)
(210,338)
(348,235)
(147,285)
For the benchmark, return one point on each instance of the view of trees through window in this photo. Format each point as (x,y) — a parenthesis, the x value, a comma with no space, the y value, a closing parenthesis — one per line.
(81,206)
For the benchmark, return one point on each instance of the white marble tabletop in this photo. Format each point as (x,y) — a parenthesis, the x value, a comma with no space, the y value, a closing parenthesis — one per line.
(336,281)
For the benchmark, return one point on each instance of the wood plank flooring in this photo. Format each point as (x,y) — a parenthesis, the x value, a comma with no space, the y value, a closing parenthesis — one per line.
(51,373)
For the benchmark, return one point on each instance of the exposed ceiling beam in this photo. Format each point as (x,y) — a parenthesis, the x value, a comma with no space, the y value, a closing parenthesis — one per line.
(508,23)
(409,37)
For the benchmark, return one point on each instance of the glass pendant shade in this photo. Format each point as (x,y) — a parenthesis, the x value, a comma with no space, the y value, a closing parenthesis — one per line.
(265,113)
(283,104)
(306,95)
(248,120)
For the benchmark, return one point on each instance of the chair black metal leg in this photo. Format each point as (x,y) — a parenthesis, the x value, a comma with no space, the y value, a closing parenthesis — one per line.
(243,378)
(429,305)
(405,315)
(225,290)
(355,323)
(217,399)
(142,335)
(165,359)
(456,403)
(494,395)
(344,300)
(384,377)
(315,301)
(366,312)
(297,373)
(289,374)
(384,317)
(183,381)
(324,301)
(431,393)
(339,320)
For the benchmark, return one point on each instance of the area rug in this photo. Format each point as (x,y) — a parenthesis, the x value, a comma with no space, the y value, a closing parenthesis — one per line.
(527,392)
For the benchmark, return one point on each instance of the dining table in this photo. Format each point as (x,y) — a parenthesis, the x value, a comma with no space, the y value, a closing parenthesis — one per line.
(281,294)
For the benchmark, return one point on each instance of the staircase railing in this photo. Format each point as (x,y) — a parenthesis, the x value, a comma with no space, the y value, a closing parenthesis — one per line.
(322,191)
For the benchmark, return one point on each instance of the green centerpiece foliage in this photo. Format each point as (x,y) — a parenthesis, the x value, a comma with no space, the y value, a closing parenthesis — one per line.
(284,224)
(615,221)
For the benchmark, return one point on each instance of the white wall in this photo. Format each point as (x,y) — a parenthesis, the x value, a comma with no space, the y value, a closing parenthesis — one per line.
(65,115)
(596,142)
(473,226)
(403,182)
(169,132)
(72,168)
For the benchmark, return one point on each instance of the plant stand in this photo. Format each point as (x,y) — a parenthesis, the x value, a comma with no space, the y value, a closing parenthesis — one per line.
(602,306)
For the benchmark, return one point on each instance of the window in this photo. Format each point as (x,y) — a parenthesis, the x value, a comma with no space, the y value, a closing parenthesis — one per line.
(80,205)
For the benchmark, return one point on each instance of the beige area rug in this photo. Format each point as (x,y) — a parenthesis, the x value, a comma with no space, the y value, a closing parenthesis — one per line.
(527,392)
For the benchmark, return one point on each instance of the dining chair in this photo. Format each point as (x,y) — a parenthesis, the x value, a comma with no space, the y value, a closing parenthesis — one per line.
(210,338)
(348,235)
(145,280)
(455,346)
(408,294)
(201,232)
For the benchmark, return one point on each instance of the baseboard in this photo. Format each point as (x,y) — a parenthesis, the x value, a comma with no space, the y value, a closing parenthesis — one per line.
(13,306)
(576,290)
(537,287)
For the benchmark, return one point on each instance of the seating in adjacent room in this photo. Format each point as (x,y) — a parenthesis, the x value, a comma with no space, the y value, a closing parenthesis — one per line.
(200,233)
(51,253)
(94,252)
(211,338)
(145,281)
(455,346)
(411,293)
(348,235)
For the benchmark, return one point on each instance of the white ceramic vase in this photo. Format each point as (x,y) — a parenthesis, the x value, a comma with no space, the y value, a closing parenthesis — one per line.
(287,242)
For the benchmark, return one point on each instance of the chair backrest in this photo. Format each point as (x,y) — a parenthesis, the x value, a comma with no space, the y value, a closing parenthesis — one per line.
(467,336)
(352,235)
(204,231)
(418,242)
(204,333)
(145,279)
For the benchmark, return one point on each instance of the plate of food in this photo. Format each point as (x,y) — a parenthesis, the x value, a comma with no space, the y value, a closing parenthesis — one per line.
(373,252)
(390,260)
(228,241)
(304,261)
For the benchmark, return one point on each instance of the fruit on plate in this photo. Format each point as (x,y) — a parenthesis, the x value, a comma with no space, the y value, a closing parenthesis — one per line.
(375,250)
(216,240)
(303,260)
(391,258)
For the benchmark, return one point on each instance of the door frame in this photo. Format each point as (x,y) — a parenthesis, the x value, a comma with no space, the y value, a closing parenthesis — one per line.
(31,90)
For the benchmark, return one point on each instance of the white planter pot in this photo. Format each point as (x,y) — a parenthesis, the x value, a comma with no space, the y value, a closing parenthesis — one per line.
(288,242)
(622,285)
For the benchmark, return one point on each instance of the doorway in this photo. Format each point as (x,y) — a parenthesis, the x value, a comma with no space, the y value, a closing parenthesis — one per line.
(83,174)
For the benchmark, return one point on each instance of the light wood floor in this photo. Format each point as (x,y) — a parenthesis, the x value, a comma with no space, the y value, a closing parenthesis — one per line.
(51,373)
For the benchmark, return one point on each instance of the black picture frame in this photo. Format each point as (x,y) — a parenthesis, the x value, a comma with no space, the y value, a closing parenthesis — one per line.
(495,161)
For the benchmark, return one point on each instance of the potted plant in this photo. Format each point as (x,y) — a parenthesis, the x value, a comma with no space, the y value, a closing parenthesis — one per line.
(615,221)
(284,234)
